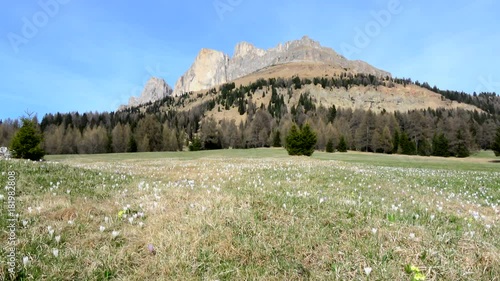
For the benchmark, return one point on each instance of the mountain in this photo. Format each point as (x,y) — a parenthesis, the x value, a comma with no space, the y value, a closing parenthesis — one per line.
(345,83)
(212,68)
(155,89)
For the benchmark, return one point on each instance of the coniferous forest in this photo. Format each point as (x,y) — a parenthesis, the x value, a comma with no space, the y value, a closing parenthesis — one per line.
(179,123)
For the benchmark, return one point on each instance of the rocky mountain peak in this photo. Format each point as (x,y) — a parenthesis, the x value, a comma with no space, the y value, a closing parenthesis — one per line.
(208,70)
(212,68)
(243,49)
(155,89)
(305,41)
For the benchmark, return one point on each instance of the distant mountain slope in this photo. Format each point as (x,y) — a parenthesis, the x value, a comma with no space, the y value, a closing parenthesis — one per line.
(155,89)
(212,68)
(307,59)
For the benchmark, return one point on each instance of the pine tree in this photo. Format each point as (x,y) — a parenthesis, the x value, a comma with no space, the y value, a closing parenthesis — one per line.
(440,146)
(395,142)
(424,148)
(329,146)
(309,140)
(195,145)
(301,142)
(332,113)
(407,146)
(462,149)
(294,141)
(277,139)
(241,106)
(342,147)
(132,144)
(26,144)
(496,144)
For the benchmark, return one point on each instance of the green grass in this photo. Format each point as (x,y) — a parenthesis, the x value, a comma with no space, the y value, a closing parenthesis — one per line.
(257,215)
(481,161)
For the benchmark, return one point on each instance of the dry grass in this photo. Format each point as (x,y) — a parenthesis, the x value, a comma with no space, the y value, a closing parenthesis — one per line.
(243,218)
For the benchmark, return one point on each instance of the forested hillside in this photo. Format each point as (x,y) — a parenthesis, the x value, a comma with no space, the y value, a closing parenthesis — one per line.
(266,110)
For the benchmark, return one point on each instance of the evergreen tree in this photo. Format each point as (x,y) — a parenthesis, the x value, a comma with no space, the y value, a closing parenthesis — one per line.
(424,148)
(329,146)
(332,113)
(407,146)
(309,140)
(109,144)
(132,144)
(241,106)
(462,149)
(195,145)
(496,144)
(395,142)
(277,139)
(294,141)
(301,142)
(26,144)
(440,146)
(342,147)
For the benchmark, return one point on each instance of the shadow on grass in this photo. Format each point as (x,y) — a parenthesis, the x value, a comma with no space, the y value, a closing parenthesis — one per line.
(495,161)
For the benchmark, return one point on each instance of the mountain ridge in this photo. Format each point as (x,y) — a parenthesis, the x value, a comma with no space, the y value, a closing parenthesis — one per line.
(213,68)
(248,59)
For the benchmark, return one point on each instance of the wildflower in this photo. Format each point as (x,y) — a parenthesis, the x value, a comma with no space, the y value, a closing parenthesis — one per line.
(141,224)
(115,233)
(58,238)
(374,230)
(120,213)
(51,232)
(412,236)
(151,249)
(418,277)
(1,196)
(26,261)
(101,228)
(55,252)
(70,222)
(368,270)
(414,269)
(106,219)
(25,223)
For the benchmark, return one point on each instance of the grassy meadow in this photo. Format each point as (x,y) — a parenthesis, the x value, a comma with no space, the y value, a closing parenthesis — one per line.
(254,215)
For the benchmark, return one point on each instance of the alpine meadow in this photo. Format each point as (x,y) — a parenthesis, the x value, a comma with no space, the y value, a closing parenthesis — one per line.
(150,141)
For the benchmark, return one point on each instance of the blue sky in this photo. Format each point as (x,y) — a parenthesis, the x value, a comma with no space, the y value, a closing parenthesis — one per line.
(75,55)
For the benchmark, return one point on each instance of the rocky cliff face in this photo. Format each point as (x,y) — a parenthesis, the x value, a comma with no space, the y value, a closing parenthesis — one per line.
(209,69)
(212,68)
(155,89)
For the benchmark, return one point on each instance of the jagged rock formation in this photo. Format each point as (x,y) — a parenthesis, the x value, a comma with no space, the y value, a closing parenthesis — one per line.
(208,70)
(155,89)
(212,68)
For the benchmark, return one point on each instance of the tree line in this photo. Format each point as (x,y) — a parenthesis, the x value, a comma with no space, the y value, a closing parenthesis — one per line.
(168,125)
